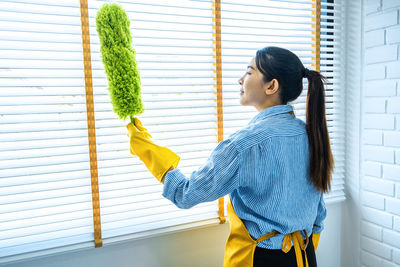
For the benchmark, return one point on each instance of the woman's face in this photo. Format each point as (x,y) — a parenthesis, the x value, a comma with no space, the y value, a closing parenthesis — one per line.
(254,91)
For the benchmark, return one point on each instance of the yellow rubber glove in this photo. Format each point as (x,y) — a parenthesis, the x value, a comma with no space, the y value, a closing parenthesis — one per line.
(158,159)
(315,240)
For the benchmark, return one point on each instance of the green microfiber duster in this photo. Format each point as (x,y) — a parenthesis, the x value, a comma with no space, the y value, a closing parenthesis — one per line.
(119,61)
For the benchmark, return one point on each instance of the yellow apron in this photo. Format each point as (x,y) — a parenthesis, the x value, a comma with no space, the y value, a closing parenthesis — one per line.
(240,246)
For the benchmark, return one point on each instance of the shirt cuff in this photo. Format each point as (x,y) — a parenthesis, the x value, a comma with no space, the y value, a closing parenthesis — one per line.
(173,180)
(317,229)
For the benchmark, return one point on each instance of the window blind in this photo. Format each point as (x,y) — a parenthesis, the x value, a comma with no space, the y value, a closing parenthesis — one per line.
(251,25)
(45,189)
(176,57)
(45,180)
(332,67)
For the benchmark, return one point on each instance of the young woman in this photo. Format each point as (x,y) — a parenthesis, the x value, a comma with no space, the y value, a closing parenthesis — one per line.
(275,169)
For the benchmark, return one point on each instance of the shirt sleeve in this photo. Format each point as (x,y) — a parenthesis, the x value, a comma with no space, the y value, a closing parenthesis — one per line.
(216,178)
(321,215)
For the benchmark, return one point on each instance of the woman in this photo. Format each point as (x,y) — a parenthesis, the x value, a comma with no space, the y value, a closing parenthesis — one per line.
(275,169)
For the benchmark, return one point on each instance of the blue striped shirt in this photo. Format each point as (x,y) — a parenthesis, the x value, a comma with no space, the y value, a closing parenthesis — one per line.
(264,169)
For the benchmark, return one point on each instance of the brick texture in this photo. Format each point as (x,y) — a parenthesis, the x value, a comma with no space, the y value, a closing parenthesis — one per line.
(380,146)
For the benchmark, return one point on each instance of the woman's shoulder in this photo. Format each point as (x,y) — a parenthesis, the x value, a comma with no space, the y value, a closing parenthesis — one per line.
(249,136)
(253,134)
(243,133)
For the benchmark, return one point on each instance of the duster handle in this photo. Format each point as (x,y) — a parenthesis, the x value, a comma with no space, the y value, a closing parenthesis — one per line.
(132,120)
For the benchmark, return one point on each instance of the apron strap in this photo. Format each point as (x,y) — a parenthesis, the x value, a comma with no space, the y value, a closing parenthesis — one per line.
(265,237)
(299,245)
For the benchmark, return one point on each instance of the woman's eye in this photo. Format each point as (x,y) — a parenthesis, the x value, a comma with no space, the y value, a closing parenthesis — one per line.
(248,73)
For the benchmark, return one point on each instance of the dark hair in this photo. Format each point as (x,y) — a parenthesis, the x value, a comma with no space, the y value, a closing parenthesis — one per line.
(286,67)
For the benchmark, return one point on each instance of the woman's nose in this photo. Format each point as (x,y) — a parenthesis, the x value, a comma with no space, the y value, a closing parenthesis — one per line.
(240,81)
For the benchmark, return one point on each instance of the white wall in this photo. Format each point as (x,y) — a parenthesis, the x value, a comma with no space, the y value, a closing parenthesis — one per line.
(380,149)
(351,208)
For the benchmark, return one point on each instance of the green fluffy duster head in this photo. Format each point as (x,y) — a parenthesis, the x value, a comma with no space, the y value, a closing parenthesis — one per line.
(119,60)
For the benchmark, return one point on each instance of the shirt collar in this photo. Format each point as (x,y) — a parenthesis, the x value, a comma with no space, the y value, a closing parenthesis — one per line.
(271,111)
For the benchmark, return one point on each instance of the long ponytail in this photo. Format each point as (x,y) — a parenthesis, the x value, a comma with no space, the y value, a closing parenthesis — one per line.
(286,67)
(321,158)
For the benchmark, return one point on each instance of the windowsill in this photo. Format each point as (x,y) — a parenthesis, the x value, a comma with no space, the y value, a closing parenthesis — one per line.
(335,200)
(109,241)
(127,238)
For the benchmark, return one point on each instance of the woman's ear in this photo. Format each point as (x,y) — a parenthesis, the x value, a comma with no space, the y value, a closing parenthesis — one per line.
(271,87)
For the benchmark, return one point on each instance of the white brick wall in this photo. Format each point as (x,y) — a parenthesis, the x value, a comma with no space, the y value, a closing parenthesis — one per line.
(380,181)
(375,72)
(380,88)
(393,69)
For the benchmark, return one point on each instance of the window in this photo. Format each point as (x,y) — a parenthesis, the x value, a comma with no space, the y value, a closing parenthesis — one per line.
(45,179)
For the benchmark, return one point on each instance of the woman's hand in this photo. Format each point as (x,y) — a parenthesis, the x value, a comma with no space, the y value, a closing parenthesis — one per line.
(158,159)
